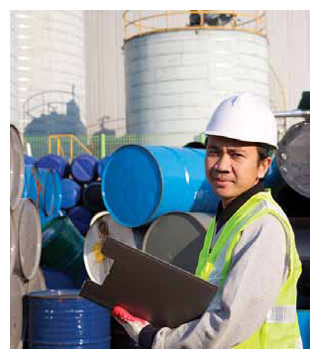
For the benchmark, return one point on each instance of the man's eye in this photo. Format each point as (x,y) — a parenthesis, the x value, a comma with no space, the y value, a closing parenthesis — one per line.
(237,155)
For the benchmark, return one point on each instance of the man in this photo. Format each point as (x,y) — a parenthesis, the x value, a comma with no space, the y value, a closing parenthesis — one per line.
(249,250)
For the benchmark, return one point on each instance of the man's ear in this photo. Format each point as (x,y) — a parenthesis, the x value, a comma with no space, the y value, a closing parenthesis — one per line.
(263,167)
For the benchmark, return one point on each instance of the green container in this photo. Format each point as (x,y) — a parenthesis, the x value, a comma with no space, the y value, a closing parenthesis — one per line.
(62,245)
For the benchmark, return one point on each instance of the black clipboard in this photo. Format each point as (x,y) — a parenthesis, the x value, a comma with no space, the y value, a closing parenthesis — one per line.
(149,288)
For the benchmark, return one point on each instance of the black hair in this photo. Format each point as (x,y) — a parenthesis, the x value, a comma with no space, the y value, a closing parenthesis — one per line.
(264,151)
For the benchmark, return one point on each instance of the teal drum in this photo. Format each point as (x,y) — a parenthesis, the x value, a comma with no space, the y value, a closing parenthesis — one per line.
(32,184)
(61,319)
(139,184)
(50,191)
(62,245)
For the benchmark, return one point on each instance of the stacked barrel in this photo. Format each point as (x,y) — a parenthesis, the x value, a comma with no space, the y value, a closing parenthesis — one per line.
(25,243)
(46,254)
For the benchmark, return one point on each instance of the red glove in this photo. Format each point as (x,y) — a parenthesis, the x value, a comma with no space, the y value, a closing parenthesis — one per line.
(133,325)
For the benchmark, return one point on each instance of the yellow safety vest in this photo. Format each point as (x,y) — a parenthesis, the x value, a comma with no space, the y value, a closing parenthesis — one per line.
(280,329)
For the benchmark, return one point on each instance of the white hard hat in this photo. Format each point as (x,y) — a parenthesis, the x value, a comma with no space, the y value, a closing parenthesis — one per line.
(246,118)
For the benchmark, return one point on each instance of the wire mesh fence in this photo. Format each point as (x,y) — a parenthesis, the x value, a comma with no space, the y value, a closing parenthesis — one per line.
(70,146)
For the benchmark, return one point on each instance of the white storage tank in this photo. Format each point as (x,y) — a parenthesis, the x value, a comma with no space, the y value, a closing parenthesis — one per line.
(177,74)
(14,111)
(49,55)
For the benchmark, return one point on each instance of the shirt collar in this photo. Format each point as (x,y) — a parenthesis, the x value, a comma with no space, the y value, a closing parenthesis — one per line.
(223,215)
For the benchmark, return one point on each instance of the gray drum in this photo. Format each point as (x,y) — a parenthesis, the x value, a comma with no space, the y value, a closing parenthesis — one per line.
(177,238)
(29,238)
(96,264)
(13,243)
(17,325)
(16,167)
(293,159)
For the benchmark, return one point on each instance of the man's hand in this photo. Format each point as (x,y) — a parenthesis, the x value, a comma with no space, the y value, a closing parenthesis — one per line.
(132,325)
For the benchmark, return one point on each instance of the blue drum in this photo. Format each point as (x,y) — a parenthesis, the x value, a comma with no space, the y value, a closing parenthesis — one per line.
(61,319)
(139,184)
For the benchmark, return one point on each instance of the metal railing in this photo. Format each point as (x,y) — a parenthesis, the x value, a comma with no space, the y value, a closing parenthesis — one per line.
(72,140)
(142,22)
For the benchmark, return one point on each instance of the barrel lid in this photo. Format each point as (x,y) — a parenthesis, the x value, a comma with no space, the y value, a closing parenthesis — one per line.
(293,158)
(56,294)
(177,238)
(132,176)
(71,193)
(16,167)
(84,168)
(97,265)
(17,329)
(29,234)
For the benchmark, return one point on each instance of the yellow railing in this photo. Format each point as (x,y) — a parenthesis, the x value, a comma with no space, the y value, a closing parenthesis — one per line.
(142,22)
(60,150)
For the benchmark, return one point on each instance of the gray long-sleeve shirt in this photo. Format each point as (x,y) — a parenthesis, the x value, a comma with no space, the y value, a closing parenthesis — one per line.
(259,269)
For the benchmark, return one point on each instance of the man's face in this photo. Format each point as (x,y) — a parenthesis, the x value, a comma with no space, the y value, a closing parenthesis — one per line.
(232,167)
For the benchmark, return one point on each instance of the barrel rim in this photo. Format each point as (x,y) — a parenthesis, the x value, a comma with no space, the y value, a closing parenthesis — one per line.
(13,244)
(16,195)
(297,128)
(29,275)
(145,150)
(56,294)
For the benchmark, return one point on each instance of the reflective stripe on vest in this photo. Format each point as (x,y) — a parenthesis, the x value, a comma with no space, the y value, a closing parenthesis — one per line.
(214,266)
(282,314)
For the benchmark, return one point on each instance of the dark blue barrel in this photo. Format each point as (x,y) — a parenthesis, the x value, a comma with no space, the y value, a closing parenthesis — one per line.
(84,168)
(304,326)
(56,279)
(140,184)
(61,319)
(80,217)
(29,160)
(71,193)
(55,162)
(92,197)
(101,164)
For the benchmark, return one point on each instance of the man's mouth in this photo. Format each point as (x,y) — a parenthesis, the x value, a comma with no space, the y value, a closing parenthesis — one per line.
(221,180)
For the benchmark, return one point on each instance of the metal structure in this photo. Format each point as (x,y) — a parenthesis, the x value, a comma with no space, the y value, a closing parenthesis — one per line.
(142,22)
(178,71)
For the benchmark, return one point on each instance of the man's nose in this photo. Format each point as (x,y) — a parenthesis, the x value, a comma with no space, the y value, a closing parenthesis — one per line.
(223,164)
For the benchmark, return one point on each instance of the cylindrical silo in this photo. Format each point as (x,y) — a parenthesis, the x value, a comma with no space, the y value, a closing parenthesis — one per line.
(14,111)
(177,75)
(49,52)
